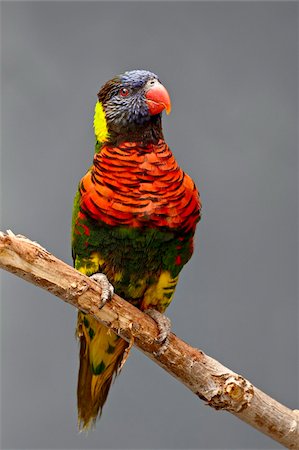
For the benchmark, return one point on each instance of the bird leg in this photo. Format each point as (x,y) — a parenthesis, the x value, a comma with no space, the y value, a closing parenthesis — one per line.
(107,288)
(164,327)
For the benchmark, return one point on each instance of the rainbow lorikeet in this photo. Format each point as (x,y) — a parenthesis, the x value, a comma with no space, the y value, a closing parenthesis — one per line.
(134,219)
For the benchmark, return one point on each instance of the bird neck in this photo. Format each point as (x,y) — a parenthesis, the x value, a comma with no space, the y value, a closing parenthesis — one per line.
(145,134)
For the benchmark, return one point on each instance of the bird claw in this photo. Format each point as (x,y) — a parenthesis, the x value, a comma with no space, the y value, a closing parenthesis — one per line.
(106,286)
(164,328)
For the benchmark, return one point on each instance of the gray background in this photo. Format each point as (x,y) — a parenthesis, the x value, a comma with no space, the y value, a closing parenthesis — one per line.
(231,70)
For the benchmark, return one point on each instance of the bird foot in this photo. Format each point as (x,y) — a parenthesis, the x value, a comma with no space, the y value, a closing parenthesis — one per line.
(106,286)
(164,327)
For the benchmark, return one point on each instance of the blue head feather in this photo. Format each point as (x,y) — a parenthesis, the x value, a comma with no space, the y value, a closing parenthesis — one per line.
(131,110)
(137,78)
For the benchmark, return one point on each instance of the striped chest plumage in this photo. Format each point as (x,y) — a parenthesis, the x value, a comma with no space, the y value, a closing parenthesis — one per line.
(139,187)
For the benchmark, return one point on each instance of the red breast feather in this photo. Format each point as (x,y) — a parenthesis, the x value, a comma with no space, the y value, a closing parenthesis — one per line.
(140,186)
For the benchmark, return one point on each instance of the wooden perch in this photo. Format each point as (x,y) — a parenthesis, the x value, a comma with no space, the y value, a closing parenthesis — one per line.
(217,385)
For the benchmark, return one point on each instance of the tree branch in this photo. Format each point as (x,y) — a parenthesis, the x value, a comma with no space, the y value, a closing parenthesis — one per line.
(217,385)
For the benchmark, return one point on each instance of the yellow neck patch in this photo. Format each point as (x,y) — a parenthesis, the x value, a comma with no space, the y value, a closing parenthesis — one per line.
(99,123)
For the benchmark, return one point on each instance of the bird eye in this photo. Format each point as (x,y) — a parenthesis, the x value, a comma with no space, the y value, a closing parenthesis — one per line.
(124,92)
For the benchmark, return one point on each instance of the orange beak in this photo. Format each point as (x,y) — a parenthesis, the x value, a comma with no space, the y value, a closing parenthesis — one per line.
(157,99)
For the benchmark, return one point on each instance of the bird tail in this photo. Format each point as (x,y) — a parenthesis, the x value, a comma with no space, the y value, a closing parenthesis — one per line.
(101,355)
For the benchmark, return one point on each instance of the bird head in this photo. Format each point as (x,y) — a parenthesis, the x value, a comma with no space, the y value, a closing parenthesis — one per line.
(129,108)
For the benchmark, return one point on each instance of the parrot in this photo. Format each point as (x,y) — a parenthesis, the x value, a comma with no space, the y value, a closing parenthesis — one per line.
(133,224)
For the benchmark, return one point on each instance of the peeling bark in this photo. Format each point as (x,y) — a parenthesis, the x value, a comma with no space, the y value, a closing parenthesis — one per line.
(217,385)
